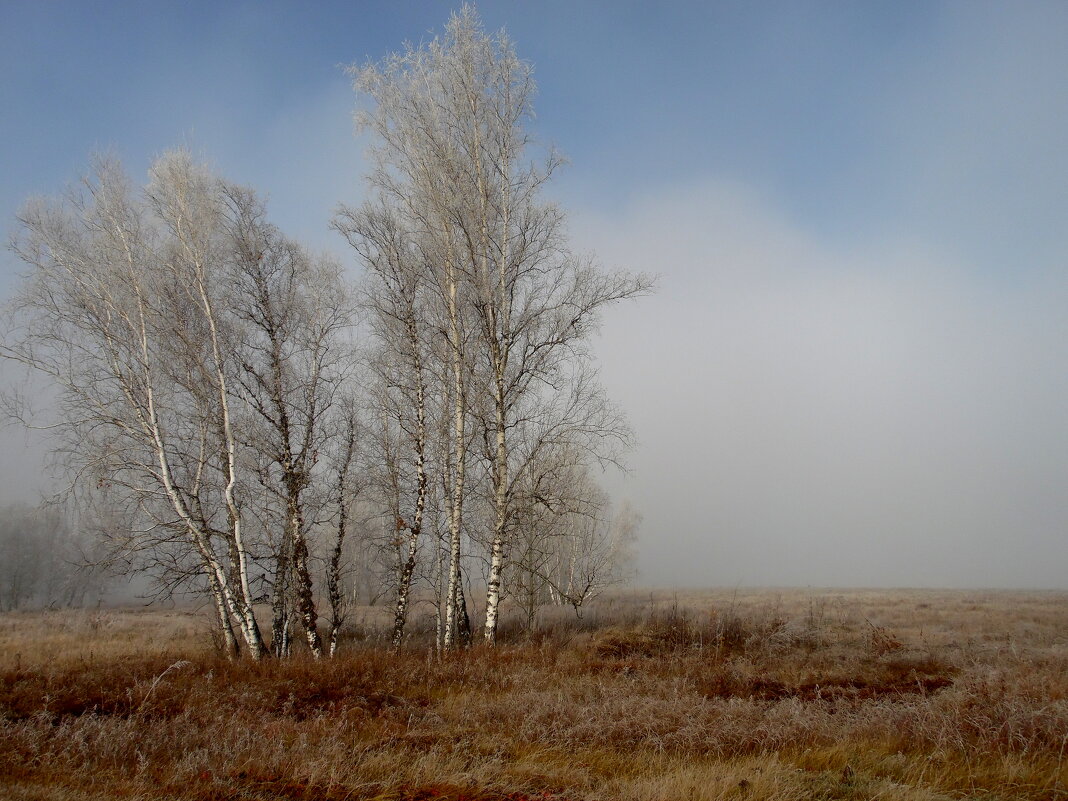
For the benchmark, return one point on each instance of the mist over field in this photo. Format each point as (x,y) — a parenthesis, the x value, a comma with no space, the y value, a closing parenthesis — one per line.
(724,458)
(834,416)
(853,371)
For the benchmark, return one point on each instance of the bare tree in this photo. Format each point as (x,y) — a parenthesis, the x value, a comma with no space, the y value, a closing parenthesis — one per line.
(453,164)
(153,312)
(594,550)
(569,544)
(294,310)
(395,292)
(46,560)
(345,492)
(415,176)
(26,542)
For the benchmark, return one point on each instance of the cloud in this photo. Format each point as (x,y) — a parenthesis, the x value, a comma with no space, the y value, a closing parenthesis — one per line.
(818,414)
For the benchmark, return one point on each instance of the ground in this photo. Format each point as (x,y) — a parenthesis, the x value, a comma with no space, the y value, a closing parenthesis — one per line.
(688,695)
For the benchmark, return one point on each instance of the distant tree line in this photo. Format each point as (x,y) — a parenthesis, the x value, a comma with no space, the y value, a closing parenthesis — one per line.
(46,562)
(242,421)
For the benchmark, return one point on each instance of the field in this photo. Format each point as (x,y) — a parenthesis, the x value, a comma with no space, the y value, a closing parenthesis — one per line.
(695,695)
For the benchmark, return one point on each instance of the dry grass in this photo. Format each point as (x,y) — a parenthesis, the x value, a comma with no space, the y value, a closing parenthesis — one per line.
(793,695)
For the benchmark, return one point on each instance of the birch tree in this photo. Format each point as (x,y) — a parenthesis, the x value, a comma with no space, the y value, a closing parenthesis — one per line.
(121,311)
(190,344)
(592,544)
(417,176)
(401,317)
(455,160)
(294,311)
(345,491)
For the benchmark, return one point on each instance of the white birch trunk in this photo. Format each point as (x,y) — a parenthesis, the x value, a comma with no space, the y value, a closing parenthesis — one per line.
(460,451)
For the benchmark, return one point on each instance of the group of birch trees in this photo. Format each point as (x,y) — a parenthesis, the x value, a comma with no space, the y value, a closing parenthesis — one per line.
(238,415)
(203,384)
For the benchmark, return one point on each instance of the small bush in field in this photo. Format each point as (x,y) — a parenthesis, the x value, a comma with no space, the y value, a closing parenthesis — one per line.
(882,641)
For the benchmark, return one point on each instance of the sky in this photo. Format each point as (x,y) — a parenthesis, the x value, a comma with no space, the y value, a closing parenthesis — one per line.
(855,370)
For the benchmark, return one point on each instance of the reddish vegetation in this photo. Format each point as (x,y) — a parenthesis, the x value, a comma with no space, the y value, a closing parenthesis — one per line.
(761,701)
(446,793)
(243,784)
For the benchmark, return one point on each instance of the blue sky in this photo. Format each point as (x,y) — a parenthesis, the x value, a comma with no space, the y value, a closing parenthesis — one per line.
(859,212)
(829,108)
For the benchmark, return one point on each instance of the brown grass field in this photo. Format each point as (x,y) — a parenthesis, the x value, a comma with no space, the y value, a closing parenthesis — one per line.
(696,695)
